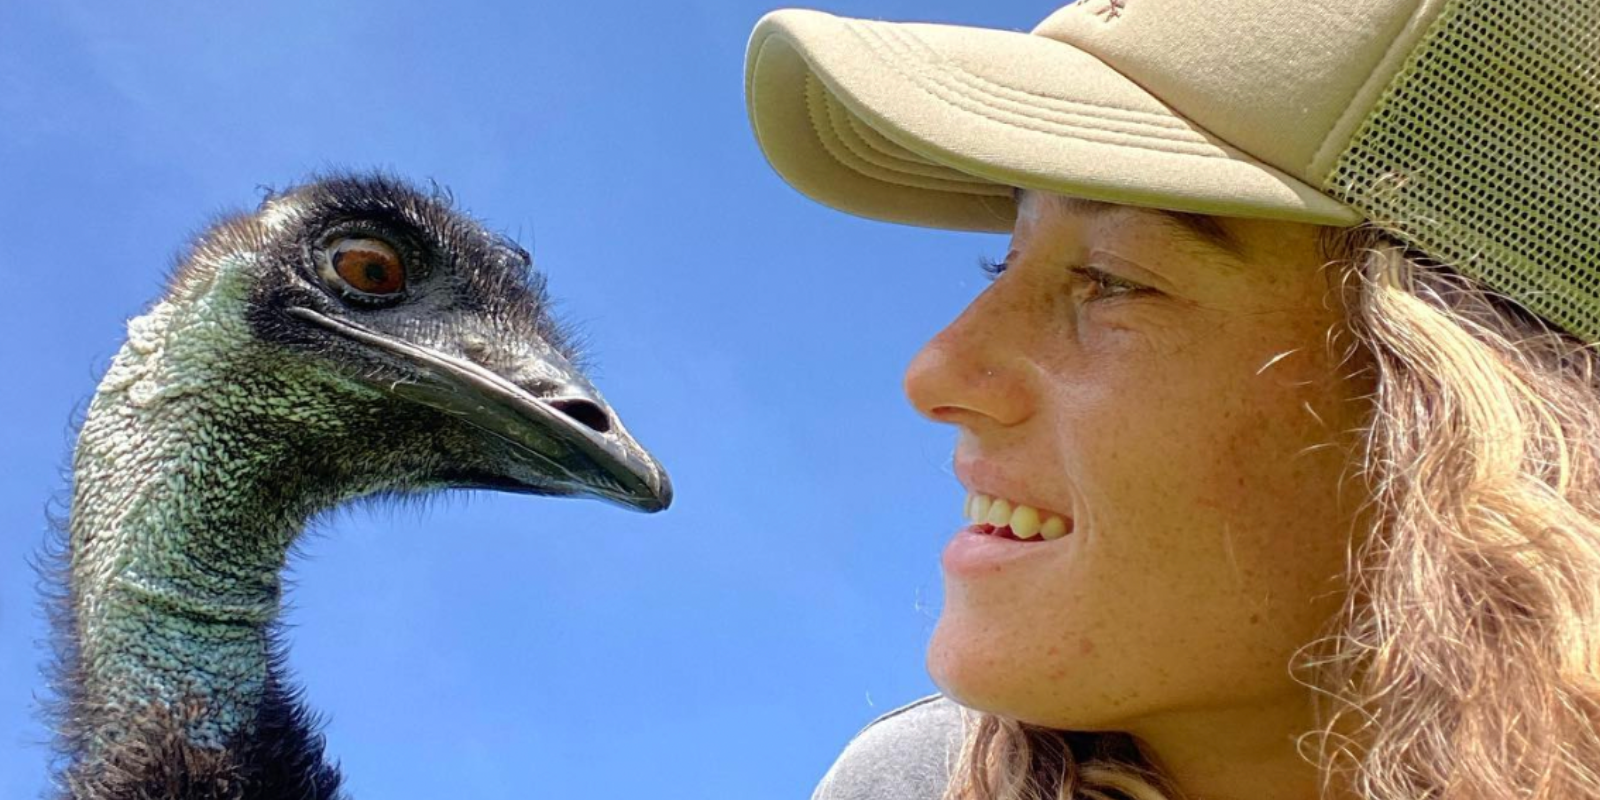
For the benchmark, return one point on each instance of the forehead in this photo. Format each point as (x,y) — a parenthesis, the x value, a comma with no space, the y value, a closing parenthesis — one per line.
(1276,260)
(1203,231)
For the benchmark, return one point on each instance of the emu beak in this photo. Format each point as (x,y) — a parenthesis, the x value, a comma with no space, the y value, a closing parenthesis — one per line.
(563,440)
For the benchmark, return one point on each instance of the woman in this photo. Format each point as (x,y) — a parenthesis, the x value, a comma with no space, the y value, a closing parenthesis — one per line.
(1279,421)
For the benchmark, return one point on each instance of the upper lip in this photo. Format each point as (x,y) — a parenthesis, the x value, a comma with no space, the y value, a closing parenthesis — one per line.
(984,478)
(609,465)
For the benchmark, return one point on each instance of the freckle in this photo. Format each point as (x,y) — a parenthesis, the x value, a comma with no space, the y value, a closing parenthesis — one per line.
(1053,651)
(1255,619)
(1085,646)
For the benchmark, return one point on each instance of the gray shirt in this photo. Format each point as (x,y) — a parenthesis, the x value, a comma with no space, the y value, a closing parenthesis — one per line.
(906,754)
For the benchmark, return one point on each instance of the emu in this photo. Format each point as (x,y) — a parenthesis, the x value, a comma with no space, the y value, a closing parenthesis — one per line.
(352,337)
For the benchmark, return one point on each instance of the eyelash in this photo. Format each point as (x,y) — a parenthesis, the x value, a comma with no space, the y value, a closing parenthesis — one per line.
(1099,278)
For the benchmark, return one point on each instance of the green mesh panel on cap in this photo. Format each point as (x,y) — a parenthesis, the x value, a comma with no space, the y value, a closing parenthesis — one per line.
(1484,152)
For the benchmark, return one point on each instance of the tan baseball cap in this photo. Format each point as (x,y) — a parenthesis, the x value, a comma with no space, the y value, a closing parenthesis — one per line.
(1469,127)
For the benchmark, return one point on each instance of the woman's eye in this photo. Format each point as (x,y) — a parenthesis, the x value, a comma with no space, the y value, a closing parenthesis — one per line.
(991,267)
(1103,285)
(368,267)
(1106,286)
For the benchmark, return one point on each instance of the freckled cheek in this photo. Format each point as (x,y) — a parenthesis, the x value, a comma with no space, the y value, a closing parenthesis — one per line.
(1239,461)
(1144,448)
(1274,480)
(1185,455)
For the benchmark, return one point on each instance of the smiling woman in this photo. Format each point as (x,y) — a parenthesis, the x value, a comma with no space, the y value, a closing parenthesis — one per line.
(1280,420)
(1192,424)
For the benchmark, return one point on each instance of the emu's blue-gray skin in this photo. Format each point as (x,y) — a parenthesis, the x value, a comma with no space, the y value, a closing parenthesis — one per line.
(255,394)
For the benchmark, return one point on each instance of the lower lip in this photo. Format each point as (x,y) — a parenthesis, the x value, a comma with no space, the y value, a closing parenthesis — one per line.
(977,551)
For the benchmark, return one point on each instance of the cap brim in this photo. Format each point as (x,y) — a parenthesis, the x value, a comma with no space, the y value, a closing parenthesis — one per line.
(935,124)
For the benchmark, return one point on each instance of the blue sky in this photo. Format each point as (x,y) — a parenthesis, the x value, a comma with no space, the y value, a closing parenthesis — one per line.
(497,646)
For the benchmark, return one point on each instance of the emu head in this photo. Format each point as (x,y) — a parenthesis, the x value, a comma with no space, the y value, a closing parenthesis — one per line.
(365,337)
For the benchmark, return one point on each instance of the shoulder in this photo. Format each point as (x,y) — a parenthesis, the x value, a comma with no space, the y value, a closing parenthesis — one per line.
(906,754)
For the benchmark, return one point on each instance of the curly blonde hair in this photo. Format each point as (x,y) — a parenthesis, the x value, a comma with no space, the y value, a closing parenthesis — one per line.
(1465,663)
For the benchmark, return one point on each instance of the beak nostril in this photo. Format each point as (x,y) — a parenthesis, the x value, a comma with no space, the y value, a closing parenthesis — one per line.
(586,413)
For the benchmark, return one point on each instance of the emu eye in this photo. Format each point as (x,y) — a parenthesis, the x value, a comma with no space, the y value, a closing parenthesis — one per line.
(366,267)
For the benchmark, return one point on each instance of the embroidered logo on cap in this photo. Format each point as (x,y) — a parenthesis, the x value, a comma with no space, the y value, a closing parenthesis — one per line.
(1111,10)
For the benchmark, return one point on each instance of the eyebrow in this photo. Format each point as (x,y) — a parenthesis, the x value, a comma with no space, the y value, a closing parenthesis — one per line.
(1202,229)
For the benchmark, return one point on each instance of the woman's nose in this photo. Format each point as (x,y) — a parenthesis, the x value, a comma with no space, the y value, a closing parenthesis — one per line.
(974,371)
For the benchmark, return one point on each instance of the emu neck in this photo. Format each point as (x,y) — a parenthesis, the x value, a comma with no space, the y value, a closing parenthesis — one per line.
(182,517)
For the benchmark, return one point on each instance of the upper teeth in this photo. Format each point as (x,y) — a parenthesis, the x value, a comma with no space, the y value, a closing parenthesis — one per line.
(1025,521)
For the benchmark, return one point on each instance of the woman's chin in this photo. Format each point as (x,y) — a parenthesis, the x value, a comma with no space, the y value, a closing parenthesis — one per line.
(971,672)
(973,668)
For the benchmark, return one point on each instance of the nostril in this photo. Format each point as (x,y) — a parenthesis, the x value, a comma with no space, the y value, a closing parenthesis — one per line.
(586,413)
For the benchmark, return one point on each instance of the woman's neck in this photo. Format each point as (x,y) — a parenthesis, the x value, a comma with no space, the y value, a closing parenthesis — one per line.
(1242,752)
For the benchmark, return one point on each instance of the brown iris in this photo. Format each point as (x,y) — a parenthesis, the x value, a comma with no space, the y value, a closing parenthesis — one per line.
(368,266)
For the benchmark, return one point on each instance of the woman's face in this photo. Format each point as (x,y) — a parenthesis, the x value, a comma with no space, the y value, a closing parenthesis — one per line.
(1190,425)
